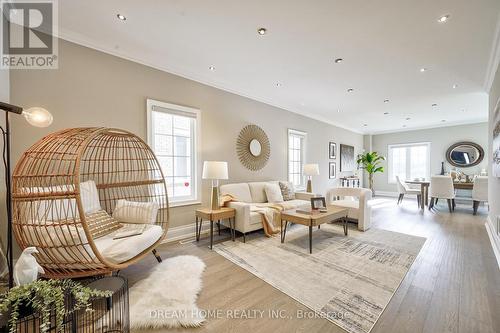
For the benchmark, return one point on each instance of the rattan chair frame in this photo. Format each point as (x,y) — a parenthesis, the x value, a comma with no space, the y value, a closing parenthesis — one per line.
(47,203)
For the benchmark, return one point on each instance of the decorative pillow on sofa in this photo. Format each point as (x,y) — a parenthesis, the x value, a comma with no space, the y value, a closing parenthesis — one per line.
(135,212)
(287,191)
(273,193)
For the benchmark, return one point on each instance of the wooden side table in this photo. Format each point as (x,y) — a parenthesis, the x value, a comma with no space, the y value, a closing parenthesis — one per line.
(215,215)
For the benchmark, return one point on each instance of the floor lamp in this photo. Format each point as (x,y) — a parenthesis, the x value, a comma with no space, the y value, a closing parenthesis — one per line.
(37,117)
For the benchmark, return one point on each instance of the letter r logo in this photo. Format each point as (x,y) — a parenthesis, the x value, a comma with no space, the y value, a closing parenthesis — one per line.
(27,28)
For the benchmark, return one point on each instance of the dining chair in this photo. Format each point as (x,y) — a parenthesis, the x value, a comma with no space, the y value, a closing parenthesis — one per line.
(479,192)
(442,188)
(403,189)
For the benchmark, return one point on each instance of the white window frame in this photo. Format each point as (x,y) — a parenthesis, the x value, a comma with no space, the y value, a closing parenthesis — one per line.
(408,164)
(195,152)
(302,186)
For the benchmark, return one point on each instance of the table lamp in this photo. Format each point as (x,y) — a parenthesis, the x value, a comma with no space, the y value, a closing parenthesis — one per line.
(35,116)
(215,171)
(310,170)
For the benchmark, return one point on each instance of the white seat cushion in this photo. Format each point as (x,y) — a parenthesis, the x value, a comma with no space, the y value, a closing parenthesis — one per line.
(351,205)
(239,191)
(258,191)
(123,249)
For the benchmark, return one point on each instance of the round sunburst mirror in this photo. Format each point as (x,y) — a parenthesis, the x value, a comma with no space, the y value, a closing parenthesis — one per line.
(253,147)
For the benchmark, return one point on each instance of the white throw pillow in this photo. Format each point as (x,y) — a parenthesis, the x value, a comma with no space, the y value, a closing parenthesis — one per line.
(90,197)
(136,212)
(273,193)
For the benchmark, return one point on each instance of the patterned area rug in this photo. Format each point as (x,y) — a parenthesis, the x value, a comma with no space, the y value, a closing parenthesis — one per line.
(347,280)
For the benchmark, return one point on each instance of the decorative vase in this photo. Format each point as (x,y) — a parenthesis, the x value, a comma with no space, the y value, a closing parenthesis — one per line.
(442,169)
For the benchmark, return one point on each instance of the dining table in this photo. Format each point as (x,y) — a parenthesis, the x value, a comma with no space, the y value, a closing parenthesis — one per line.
(424,189)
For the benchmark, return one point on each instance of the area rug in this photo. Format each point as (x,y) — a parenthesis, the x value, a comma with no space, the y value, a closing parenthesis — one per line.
(166,298)
(347,280)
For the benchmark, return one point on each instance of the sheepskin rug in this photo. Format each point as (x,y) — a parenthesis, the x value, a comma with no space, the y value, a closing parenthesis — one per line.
(166,298)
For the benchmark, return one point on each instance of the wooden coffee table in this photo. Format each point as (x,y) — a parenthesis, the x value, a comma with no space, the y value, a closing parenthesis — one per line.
(312,220)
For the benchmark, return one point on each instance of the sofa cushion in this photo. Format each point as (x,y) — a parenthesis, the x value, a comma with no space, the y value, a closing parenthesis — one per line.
(257,189)
(273,193)
(240,191)
(351,205)
(287,191)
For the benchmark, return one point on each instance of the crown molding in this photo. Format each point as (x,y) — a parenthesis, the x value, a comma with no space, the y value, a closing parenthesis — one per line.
(494,60)
(420,128)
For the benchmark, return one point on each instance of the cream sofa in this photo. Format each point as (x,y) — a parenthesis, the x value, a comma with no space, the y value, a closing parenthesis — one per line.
(251,193)
(356,200)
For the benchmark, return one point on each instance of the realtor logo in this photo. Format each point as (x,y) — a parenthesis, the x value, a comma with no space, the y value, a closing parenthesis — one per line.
(28,30)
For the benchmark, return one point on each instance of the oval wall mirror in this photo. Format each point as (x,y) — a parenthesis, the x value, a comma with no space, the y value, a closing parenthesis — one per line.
(255,147)
(464,154)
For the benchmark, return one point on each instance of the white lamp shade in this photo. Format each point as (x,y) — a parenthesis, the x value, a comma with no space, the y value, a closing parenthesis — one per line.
(215,170)
(311,169)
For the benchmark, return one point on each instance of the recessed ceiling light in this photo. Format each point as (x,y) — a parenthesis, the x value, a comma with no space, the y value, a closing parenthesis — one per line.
(404,125)
(364,125)
(443,18)
(408,118)
(434,105)
(455,86)
(350,90)
(386,113)
(423,69)
(121,17)
(338,60)
(386,101)
(212,68)
(262,31)
(443,121)
(278,84)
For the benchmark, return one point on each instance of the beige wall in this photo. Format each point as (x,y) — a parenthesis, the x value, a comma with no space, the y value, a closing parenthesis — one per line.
(494,183)
(440,139)
(91,88)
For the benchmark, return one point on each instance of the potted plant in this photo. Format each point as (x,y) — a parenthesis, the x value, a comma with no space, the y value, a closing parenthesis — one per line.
(371,161)
(43,298)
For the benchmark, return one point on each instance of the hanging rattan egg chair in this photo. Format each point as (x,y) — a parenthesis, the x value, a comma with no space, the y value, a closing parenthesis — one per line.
(65,189)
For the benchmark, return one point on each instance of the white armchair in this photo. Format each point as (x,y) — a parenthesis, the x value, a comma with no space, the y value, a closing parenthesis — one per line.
(442,188)
(479,192)
(358,205)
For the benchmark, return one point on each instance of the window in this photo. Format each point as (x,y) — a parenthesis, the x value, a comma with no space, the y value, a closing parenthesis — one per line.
(409,161)
(173,135)
(296,157)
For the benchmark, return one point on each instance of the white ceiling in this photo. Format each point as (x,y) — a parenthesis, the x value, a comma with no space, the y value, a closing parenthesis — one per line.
(384,43)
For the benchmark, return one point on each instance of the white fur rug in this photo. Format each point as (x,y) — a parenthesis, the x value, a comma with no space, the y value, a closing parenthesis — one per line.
(167,297)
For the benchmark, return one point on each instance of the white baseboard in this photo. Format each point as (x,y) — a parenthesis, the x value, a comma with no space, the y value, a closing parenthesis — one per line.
(183,232)
(187,231)
(494,238)
(386,194)
(396,194)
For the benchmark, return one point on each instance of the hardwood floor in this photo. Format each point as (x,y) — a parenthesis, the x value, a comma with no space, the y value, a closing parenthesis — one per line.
(453,286)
